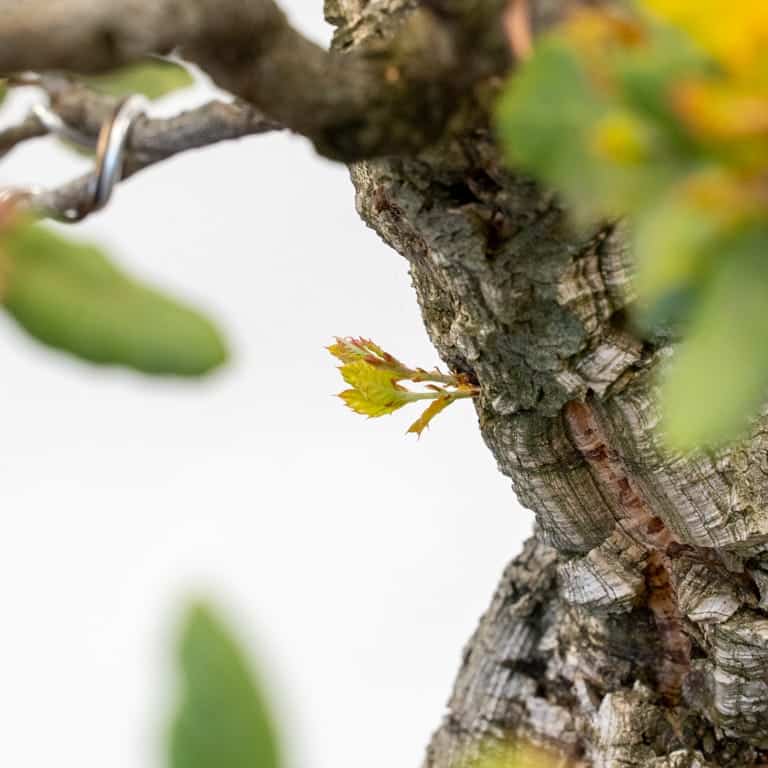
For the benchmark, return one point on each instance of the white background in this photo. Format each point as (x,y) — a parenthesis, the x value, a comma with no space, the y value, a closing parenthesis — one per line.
(353,559)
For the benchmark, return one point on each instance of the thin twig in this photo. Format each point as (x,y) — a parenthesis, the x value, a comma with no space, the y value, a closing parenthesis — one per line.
(29,128)
(153,140)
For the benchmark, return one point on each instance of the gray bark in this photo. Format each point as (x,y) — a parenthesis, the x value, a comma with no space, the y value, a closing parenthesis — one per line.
(632,630)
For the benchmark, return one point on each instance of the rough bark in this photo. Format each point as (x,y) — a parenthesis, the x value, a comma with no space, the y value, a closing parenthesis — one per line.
(632,631)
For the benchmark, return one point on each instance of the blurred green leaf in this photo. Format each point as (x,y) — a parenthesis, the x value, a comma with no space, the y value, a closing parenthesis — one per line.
(68,295)
(718,378)
(153,78)
(605,157)
(3,91)
(224,721)
(544,116)
(646,74)
(672,246)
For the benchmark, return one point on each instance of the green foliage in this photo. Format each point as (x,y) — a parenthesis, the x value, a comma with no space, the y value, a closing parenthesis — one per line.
(661,115)
(374,377)
(69,296)
(224,720)
(152,78)
(720,375)
(549,100)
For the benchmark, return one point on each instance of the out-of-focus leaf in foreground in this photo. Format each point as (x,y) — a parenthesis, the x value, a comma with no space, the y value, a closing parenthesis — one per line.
(151,77)
(733,32)
(719,375)
(70,296)
(224,719)
(658,112)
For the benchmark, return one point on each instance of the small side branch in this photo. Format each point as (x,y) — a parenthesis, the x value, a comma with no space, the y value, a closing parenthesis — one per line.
(29,128)
(151,140)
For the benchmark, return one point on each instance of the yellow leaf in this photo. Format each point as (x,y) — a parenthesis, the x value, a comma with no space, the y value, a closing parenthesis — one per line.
(432,410)
(376,384)
(722,110)
(346,349)
(349,349)
(735,33)
(359,404)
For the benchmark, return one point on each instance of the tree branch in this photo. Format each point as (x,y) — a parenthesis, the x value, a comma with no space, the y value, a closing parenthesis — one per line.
(29,128)
(152,140)
(394,97)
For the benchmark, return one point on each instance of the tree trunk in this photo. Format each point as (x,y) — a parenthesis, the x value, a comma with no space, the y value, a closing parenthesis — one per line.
(632,630)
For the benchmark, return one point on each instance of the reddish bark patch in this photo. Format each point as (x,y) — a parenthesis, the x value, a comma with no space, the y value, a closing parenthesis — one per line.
(635,517)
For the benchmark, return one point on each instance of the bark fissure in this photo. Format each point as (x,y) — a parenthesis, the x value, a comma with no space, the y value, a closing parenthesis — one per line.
(639,522)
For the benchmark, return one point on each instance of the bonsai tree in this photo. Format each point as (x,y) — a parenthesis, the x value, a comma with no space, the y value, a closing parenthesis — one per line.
(579,191)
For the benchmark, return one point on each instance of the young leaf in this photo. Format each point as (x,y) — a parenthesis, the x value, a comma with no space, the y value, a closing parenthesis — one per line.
(350,349)
(152,78)
(69,296)
(373,375)
(377,386)
(435,407)
(719,377)
(358,402)
(224,719)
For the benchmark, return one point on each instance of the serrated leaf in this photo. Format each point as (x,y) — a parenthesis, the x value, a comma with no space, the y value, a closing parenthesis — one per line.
(360,404)
(349,349)
(224,719)
(435,407)
(376,385)
(69,296)
(152,78)
(718,378)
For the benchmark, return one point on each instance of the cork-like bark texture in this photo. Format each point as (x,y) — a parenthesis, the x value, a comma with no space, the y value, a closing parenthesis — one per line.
(633,631)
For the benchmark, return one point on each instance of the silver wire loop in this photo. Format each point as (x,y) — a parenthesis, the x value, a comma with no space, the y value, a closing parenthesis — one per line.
(110,154)
(110,149)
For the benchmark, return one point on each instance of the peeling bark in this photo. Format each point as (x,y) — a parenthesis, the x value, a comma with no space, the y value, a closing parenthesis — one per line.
(631,631)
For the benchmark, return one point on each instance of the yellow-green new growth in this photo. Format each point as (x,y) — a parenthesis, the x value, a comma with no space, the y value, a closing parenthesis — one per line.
(374,375)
